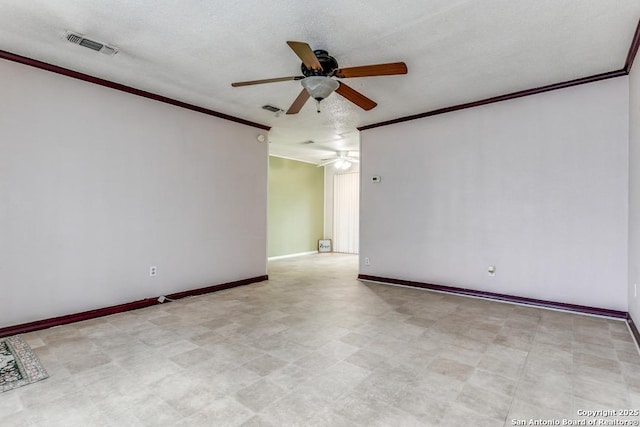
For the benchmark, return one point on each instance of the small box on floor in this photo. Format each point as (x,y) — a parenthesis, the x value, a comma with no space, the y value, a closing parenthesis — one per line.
(324,245)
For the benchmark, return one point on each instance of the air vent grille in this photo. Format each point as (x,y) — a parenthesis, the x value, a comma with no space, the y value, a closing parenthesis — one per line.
(74,38)
(271,108)
(91,44)
(79,39)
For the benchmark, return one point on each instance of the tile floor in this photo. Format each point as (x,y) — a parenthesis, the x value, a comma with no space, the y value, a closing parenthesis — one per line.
(315,347)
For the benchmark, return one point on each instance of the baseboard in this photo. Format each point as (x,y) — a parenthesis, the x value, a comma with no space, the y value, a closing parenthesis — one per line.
(292,255)
(634,330)
(216,288)
(501,297)
(106,311)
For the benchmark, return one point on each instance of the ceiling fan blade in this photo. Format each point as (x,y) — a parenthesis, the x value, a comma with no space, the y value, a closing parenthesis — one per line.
(373,70)
(356,97)
(328,162)
(299,102)
(305,53)
(352,159)
(257,82)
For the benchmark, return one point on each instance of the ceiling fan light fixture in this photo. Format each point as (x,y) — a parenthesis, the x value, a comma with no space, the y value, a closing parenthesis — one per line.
(319,87)
(342,164)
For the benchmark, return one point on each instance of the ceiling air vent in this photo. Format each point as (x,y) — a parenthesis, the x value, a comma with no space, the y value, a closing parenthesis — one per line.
(74,38)
(271,108)
(81,40)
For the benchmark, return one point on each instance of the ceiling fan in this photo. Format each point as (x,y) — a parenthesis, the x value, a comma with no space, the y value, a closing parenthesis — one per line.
(342,160)
(318,72)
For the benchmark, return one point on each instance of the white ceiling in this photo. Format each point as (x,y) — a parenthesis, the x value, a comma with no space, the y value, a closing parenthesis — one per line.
(456,51)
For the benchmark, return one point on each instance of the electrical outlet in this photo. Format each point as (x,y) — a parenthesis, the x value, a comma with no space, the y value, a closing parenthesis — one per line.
(153,271)
(367,261)
(491,270)
(162,299)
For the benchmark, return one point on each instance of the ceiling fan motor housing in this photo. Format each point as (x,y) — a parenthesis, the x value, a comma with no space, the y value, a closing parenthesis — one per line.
(328,63)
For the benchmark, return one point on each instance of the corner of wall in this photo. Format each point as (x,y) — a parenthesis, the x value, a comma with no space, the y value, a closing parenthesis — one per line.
(634,194)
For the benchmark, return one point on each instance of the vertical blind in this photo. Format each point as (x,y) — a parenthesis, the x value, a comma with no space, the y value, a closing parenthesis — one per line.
(346,208)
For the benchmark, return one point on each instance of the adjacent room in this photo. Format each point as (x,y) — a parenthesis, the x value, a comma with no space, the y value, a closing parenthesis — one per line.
(288,214)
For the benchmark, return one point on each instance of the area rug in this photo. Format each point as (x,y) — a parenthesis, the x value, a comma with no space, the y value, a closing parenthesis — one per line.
(18,364)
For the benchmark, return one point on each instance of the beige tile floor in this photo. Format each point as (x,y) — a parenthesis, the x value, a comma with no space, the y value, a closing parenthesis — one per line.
(315,347)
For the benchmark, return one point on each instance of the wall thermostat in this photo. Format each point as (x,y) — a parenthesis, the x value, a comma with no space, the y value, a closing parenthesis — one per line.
(376,178)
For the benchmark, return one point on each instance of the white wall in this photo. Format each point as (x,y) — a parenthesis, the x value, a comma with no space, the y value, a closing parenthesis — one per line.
(536,186)
(98,185)
(634,191)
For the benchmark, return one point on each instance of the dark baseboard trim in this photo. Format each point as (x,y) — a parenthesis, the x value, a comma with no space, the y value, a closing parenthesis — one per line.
(117,86)
(634,329)
(216,288)
(500,297)
(106,311)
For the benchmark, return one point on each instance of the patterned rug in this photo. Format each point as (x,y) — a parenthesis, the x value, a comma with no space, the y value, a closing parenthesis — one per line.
(18,364)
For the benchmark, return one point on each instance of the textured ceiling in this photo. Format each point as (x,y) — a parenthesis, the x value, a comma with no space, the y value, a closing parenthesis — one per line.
(456,51)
